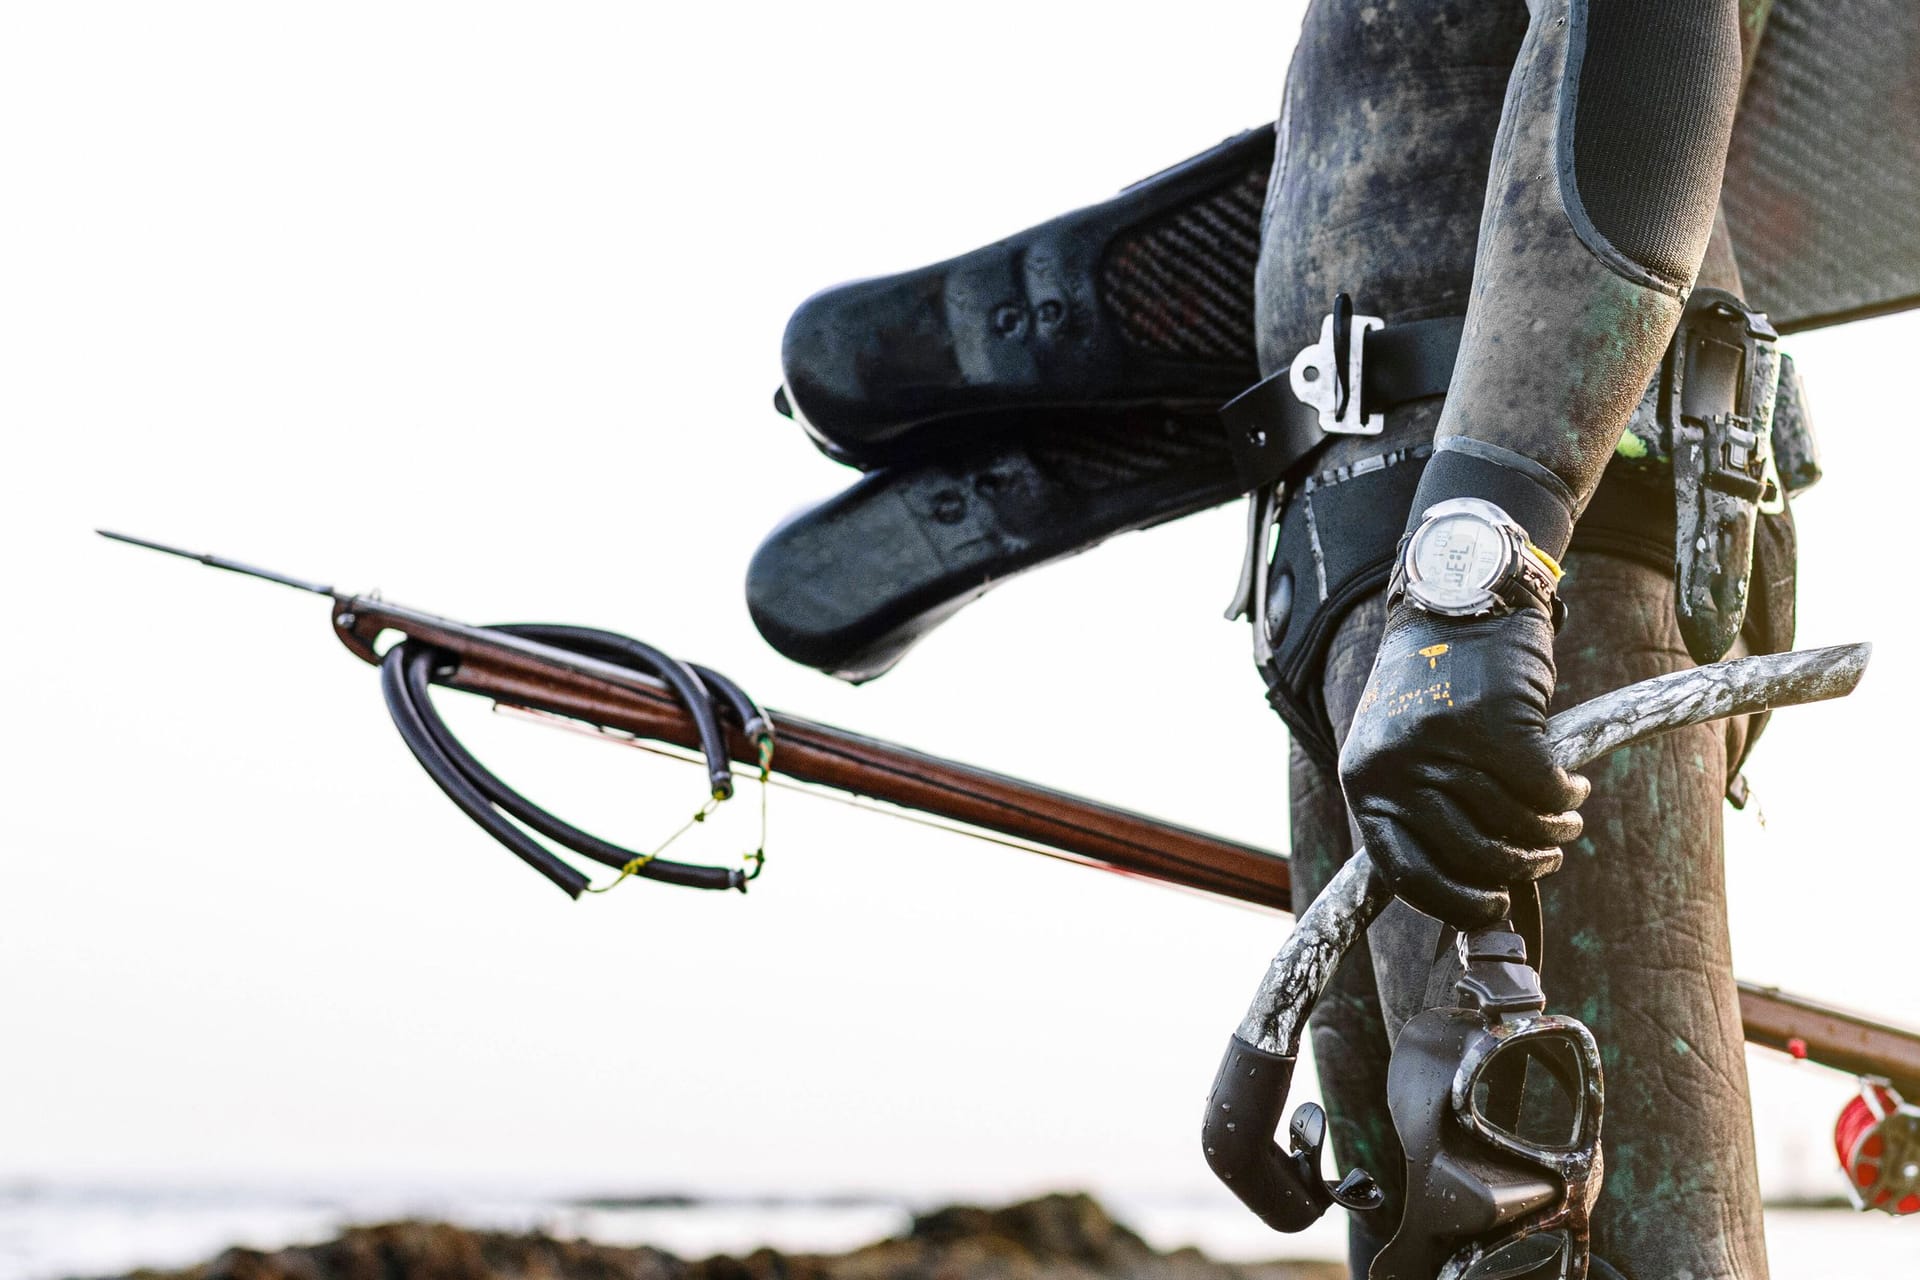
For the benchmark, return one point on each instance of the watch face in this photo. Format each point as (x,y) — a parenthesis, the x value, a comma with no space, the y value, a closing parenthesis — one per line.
(1456,559)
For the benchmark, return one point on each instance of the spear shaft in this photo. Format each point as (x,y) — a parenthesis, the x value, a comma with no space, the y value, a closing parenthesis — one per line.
(1098,834)
(522,673)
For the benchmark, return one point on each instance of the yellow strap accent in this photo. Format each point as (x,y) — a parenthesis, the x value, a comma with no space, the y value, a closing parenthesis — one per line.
(1553,566)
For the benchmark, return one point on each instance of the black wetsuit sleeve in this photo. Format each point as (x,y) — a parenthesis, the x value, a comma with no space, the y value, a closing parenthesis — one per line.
(1600,202)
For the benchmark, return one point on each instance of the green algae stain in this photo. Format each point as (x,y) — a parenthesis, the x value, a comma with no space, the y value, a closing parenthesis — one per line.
(1753,22)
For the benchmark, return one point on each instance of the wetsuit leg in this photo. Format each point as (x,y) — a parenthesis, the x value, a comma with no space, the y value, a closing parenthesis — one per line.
(1638,948)
(1350,1041)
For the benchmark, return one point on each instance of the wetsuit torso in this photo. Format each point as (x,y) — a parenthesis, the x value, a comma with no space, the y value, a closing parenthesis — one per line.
(1385,137)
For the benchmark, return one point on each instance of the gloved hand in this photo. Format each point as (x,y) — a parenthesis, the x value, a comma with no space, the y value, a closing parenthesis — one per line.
(1445,767)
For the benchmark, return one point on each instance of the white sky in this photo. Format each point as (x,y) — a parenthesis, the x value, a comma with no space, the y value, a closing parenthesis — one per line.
(481,305)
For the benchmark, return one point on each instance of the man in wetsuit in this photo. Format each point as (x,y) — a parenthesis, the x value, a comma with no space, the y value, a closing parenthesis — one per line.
(1548,169)
(1551,171)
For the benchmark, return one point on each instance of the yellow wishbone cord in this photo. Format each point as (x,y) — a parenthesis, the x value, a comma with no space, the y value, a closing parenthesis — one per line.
(633,866)
(884,809)
(758,857)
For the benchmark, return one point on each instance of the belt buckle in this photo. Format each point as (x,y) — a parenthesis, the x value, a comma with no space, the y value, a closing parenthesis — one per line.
(1328,376)
(1727,357)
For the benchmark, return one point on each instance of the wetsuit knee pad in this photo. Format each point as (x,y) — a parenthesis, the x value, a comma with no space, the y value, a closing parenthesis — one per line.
(1646,113)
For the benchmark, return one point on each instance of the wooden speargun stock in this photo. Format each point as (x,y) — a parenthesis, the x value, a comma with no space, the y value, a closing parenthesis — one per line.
(538,677)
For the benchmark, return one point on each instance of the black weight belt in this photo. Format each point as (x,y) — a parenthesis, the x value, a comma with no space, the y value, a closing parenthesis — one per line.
(1333,547)
(1337,538)
(1272,433)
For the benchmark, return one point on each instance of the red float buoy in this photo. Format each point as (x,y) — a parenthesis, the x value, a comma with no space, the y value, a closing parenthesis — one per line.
(1878,1141)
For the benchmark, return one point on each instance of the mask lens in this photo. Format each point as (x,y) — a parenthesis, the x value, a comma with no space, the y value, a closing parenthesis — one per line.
(1536,1257)
(1533,1090)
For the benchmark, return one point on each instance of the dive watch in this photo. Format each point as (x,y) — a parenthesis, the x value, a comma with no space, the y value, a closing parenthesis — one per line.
(1467,558)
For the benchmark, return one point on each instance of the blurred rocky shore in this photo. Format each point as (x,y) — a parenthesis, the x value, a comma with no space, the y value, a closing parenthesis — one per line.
(1057,1237)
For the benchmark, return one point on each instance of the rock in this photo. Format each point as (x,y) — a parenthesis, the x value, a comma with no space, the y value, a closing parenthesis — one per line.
(1057,1237)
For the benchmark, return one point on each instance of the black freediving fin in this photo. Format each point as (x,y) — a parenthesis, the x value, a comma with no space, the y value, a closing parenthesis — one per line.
(849,585)
(1143,300)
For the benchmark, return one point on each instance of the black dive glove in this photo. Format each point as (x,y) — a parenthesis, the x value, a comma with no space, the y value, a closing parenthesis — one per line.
(1446,768)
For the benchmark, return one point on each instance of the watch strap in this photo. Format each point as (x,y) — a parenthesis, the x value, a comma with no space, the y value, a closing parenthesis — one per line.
(1536,582)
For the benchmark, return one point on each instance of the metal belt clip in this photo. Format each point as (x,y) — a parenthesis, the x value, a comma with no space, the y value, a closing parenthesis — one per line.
(1329,374)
